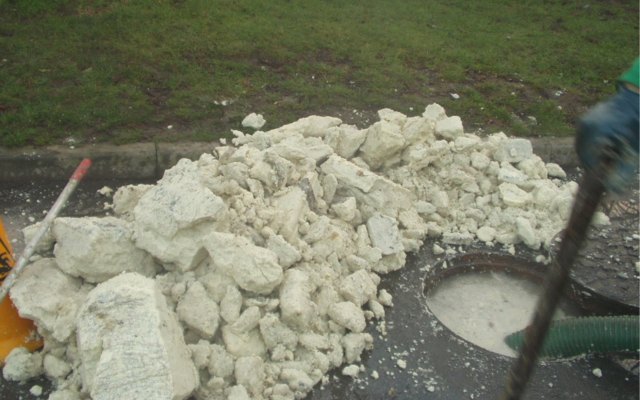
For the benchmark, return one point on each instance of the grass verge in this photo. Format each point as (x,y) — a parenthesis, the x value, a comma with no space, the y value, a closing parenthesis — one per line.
(124,71)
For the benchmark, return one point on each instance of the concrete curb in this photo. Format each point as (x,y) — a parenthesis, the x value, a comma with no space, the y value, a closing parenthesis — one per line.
(147,161)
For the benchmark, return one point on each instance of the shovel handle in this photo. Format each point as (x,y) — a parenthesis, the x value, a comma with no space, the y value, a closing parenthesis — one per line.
(78,174)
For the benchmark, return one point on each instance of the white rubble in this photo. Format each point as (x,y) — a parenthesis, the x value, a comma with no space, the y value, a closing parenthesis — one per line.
(254,121)
(21,365)
(263,258)
(50,297)
(97,249)
(131,345)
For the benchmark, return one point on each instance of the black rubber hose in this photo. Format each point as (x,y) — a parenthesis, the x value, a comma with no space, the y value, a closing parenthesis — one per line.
(575,336)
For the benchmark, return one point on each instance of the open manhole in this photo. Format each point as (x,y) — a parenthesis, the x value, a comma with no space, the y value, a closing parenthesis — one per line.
(482,298)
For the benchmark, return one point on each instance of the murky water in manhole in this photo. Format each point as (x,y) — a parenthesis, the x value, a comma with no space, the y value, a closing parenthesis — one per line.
(483,308)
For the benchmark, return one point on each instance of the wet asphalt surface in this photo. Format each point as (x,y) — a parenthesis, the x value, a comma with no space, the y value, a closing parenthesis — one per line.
(439,365)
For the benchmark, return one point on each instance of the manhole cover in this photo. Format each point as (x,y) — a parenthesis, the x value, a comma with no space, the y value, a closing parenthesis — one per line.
(484,302)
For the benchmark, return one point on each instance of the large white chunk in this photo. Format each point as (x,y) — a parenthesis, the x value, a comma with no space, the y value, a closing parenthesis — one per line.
(313,125)
(358,287)
(290,206)
(295,299)
(513,150)
(513,196)
(172,218)
(48,296)
(384,140)
(97,249)
(126,198)
(527,233)
(253,268)
(347,140)
(449,128)
(434,112)
(130,343)
(295,148)
(384,234)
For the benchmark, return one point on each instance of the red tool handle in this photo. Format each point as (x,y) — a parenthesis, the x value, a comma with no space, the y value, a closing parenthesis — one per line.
(82,169)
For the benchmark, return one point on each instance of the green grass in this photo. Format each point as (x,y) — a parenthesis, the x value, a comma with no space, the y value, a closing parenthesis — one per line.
(122,71)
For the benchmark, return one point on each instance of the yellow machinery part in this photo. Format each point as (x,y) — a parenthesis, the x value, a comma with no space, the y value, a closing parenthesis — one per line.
(14,330)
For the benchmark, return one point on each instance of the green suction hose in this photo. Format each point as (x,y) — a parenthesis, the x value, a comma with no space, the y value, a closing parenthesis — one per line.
(574,336)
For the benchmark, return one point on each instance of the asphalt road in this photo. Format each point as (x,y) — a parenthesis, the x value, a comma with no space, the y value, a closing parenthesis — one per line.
(439,365)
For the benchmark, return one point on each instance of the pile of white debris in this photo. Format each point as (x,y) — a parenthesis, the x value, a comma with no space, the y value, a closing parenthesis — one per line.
(253,271)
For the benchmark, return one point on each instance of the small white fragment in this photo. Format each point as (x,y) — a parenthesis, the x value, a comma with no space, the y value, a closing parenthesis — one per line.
(351,370)
(597,372)
(36,390)
(402,364)
(105,191)
(555,171)
(254,121)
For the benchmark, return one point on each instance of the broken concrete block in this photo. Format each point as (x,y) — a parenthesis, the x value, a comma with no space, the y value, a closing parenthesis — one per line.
(418,130)
(527,233)
(348,140)
(287,254)
(253,121)
(296,148)
(507,173)
(346,210)
(457,238)
(348,315)
(131,345)
(314,126)
(231,304)
(54,367)
(97,249)
(238,392)
(556,171)
(275,332)
(247,321)
(354,344)
(170,215)
(349,174)
(384,234)
(22,365)
(198,311)
(253,268)
(395,117)
(290,205)
(58,297)
(243,344)
(486,234)
(513,196)
(126,198)
(384,139)
(296,307)
(513,150)
(449,128)
(221,364)
(434,112)
(249,372)
(358,287)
